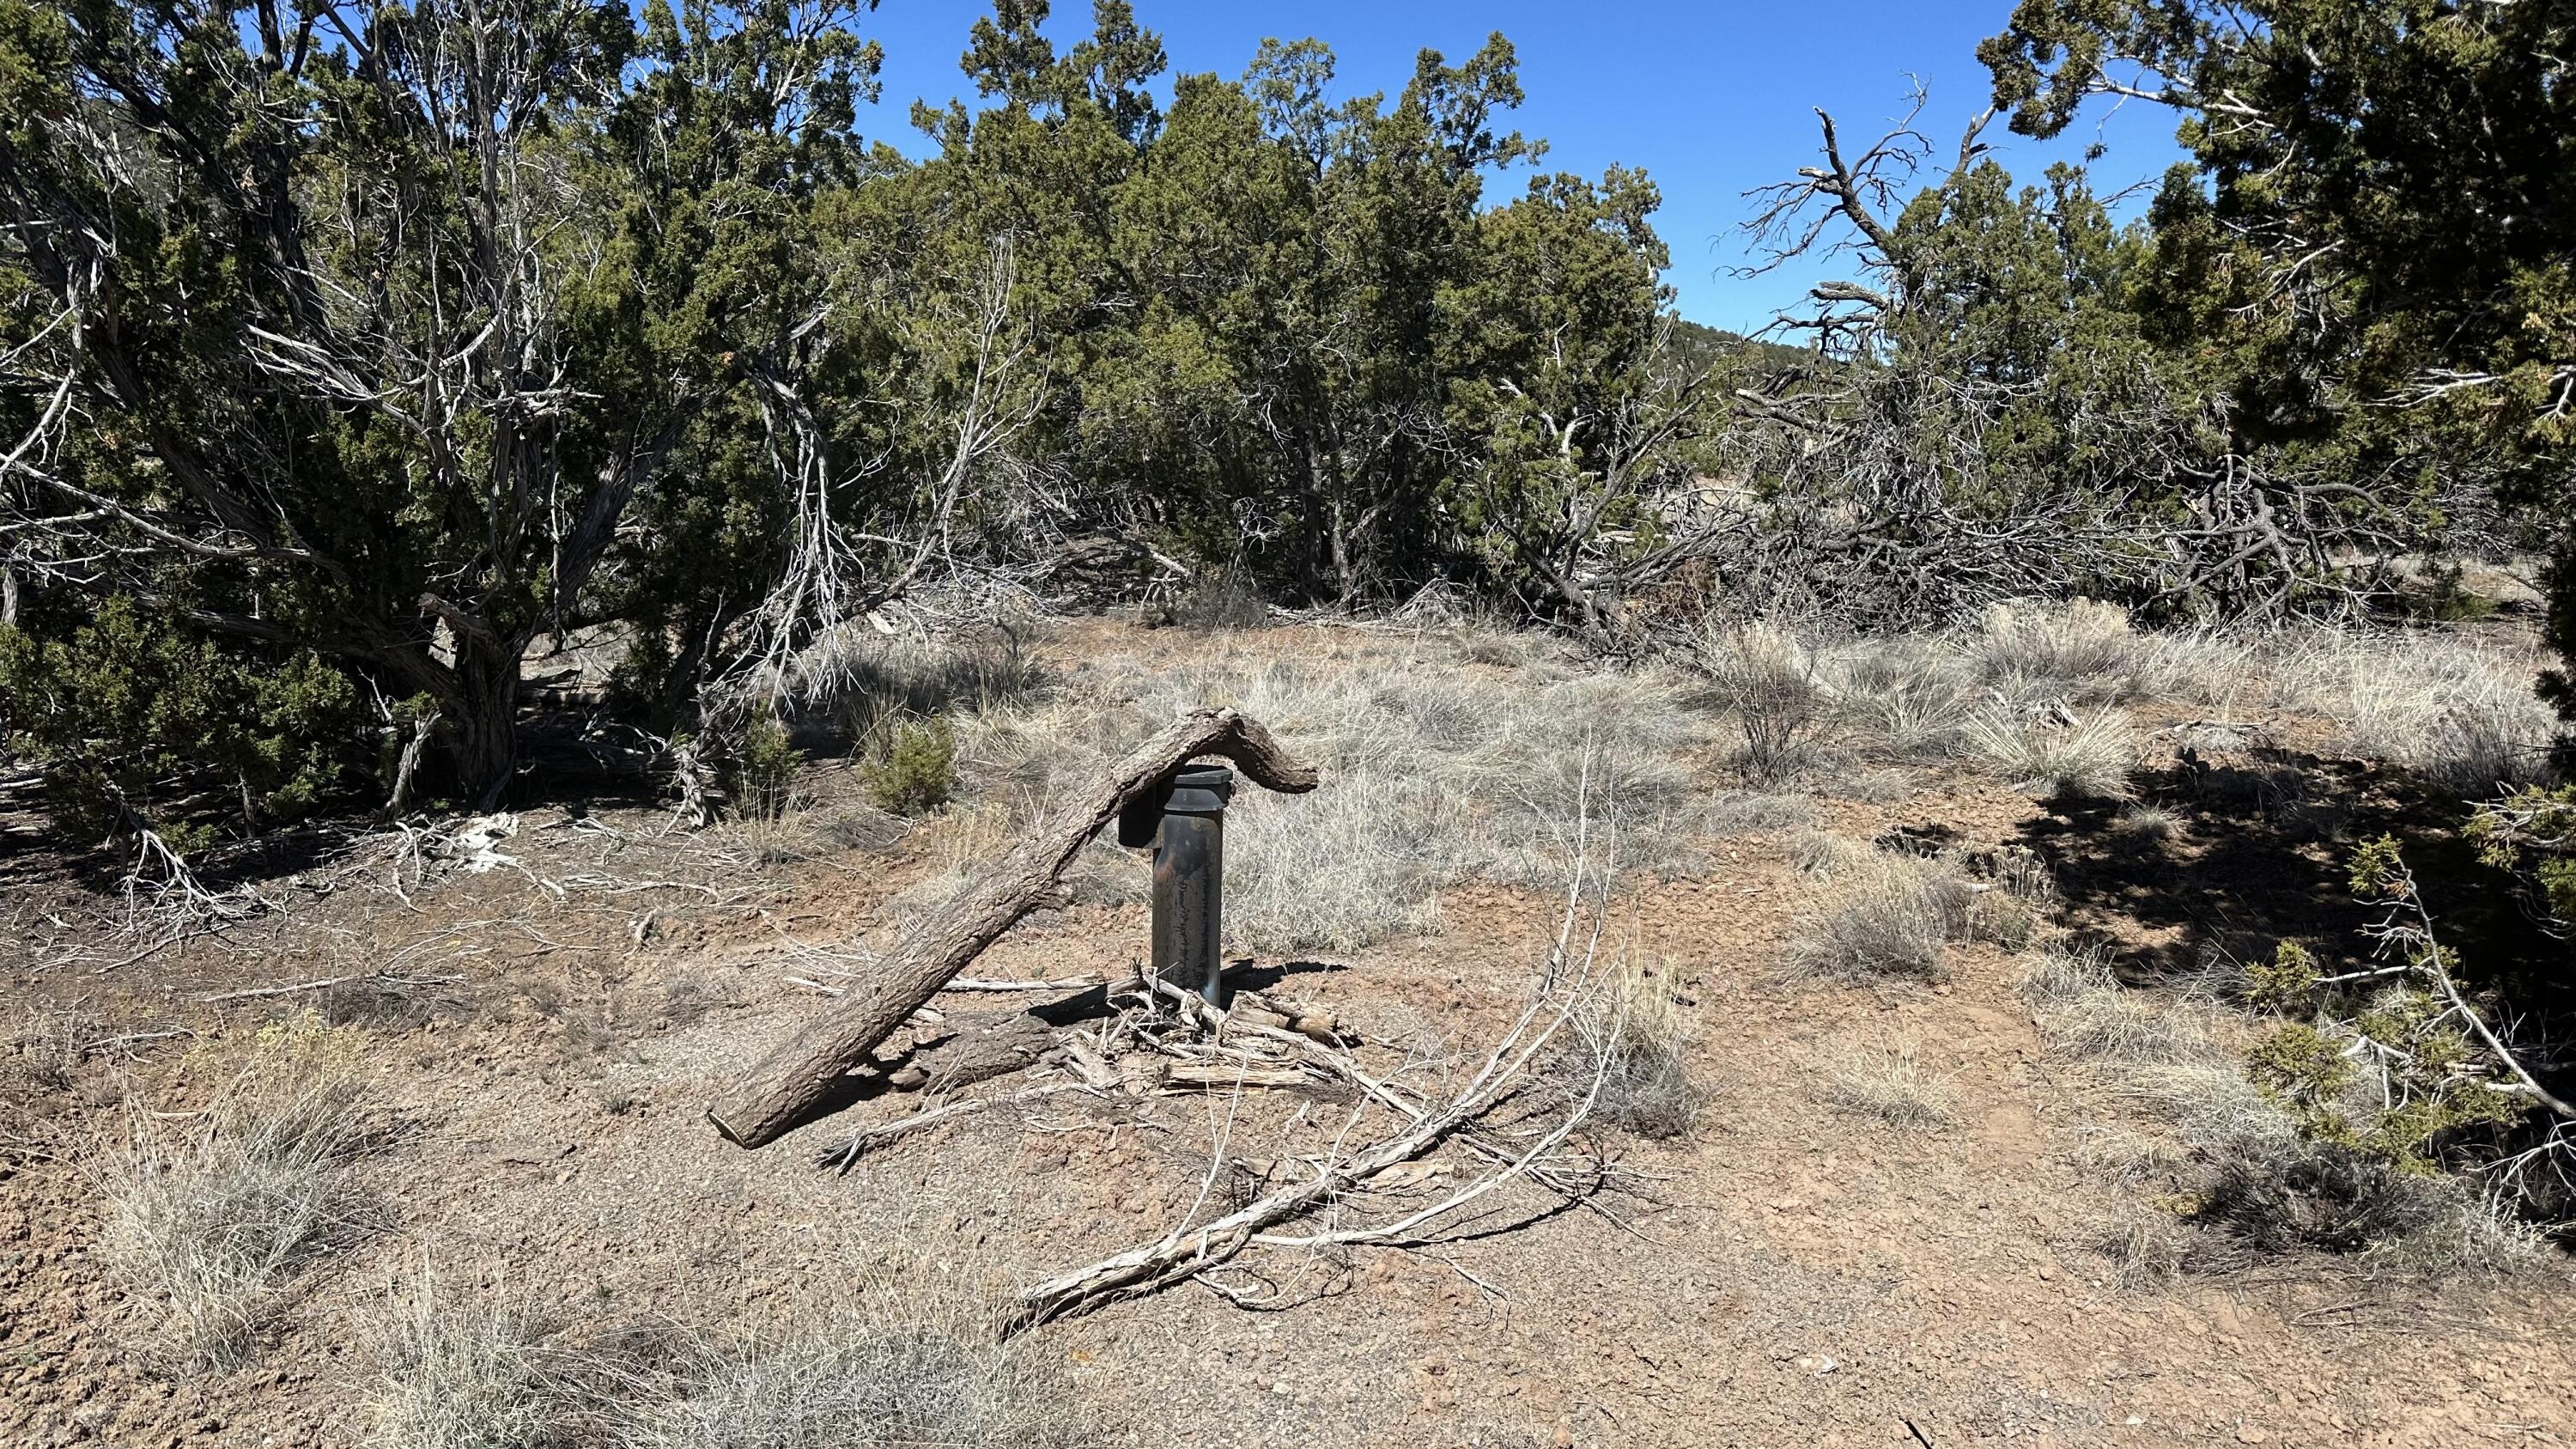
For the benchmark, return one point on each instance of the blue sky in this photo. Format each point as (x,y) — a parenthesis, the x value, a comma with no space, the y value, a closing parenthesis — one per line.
(1710,98)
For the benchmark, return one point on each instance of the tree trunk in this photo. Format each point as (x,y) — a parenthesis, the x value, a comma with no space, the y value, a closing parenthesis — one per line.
(804,1070)
(482,718)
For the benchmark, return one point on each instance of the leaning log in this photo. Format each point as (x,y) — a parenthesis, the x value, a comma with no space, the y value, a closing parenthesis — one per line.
(805,1070)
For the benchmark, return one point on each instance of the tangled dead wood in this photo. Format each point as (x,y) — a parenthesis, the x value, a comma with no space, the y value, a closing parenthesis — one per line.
(1381,1146)
(805,1070)
(1528,1151)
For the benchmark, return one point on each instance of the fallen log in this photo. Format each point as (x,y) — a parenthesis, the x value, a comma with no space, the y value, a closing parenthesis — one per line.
(806,1069)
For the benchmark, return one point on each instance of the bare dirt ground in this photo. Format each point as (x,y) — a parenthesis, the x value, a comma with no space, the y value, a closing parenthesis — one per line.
(543,1037)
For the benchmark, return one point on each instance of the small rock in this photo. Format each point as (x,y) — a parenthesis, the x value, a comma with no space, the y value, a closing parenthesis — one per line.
(2251,1435)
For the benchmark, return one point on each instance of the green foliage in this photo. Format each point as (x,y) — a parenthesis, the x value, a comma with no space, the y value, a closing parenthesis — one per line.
(2359,255)
(765,774)
(2532,832)
(714,370)
(913,771)
(129,711)
(2394,1074)
(2283,982)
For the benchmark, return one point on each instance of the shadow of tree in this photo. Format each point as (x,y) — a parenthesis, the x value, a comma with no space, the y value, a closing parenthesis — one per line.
(2259,851)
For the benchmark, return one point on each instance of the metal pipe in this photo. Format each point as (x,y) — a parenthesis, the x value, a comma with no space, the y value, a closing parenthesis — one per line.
(1185,824)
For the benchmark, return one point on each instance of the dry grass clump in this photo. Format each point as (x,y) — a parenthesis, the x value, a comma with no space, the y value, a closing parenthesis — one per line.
(1888,915)
(2318,1195)
(1760,810)
(2084,650)
(1436,774)
(912,1357)
(2458,712)
(906,1355)
(475,1374)
(2084,1013)
(872,678)
(2147,823)
(1641,1045)
(1766,678)
(2474,1236)
(41,1048)
(210,1217)
(2091,757)
(1904,697)
(1823,853)
(1890,1086)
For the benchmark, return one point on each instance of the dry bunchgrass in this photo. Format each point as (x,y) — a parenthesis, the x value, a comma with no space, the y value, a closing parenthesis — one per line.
(2304,1194)
(2147,823)
(1904,698)
(41,1048)
(1641,1047)
(1885,916)
(1823,853)
(1435,774)
(460,1372)
(911,1355)
(1890,1086)
(872,679)
(210,1216)
(2084,1013)
(2083,650)
(2090,758)
(2257,1181)
(2459,712)
(906,1353)
(2473,1235)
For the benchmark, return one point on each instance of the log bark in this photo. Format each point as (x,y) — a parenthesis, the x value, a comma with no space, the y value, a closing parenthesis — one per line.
(805,1070)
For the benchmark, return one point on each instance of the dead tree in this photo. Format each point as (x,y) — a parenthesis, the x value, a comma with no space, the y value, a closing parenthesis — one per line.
(803,1071)
(1890,479)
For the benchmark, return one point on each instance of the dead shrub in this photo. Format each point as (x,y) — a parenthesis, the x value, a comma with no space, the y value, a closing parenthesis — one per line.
(1889,915)
(2091,757)
(1890,1086)
(209,1218)
(1766,678)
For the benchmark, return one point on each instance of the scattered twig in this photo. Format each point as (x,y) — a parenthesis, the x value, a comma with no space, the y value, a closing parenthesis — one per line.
(844,1155)
(376,978)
